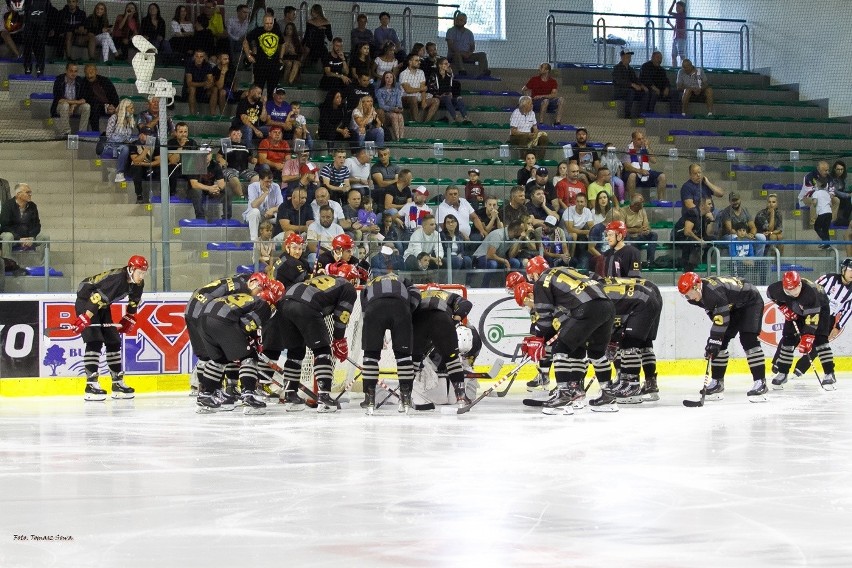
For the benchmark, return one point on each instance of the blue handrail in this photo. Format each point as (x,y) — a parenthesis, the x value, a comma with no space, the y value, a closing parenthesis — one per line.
(589,13)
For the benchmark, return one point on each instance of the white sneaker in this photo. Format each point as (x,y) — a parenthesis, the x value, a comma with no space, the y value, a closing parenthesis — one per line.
(709,114)
(119,177)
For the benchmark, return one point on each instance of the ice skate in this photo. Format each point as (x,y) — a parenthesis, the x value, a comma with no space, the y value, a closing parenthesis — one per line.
(538,383)
(120,390)
(254,403)
(650,391)
(715,390)
(606,402)
(828,382)
(758,391)
(779,380)
(206,403)
(461,397)
(292,402)
(325,404)
(562,400)
(94,392)
(227,399)
(630,393)
(369,402)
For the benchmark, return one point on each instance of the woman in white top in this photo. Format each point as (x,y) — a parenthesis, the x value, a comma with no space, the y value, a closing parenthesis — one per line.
(606,210)
(561,172)
(120,131)
(182,31)
(366,124)
(387,61)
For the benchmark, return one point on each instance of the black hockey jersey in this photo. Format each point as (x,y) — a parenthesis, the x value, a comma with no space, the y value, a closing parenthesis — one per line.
(289,270)
(628,297)
(445,301)
(839,297)
(625,262)
(216,289)
(720,295)
(637,281)
(103,289)
(243,309)
(390,286)
(807,305)
(328,295)
(558,292)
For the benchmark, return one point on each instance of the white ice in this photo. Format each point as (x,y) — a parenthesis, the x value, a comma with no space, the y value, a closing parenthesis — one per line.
(149,483)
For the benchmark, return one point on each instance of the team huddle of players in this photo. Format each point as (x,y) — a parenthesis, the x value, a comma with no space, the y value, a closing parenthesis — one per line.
(240,326)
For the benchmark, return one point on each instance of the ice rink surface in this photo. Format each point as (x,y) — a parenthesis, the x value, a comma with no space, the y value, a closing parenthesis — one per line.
(149,483)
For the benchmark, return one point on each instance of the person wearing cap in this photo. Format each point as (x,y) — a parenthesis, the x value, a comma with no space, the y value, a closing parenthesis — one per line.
(250,115)
(543,89)
(541,180)
(278,113)
(692,82)
(387,260)
(273,151)
(585,156)
(335,176)
(554,242)
(628,88)
(309,181)
(736,213)
(359,170)
(144,162)
(523,128)
(207,186)
(474,191)
(413,213)
(464,212)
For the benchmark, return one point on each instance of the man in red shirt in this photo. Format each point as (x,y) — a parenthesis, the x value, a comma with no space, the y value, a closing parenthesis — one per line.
(568,187)
(542,88)
(273,152)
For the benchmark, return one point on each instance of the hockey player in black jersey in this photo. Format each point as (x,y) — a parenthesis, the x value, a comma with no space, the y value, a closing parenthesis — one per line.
(576,309)
(230,329)
(638,305)
(838,288)
(735,307)
(620,259)
(387,303)
(240,284)
(291,267)
(301,324)
(94,297)
(434,325)
(807,312)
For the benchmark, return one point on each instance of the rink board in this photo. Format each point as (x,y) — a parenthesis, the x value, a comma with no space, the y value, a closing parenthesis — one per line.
(157,354)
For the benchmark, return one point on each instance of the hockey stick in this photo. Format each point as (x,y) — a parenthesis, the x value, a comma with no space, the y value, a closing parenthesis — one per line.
(536,402)
(811,359)
(381,383)
(67,327)
(280,371)
(693,403)
(510,376)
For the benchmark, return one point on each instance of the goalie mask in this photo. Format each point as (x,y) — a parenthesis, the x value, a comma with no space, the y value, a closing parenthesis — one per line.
(470,343)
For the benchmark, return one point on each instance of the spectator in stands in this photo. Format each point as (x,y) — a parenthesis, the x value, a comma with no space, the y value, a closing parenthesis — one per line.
(72,26)
(429,60)
(515,207)
(653,76)
(585,156)
(321,232)
(639,227)
(291,175)
(528,171)
(250,115)
(264,199)
(98,27)
(386,61)
(183,32)
(489,216)
(541,180)
(601,183)
(237,28)
(288,18)
(609,158)
(291,54)
(262,47)
(543,90)
(389,101)
(322,199)
(474,191)
(359,170)
(300,124)
(180,141)
(696,187)
(736,213)
(499,248)
(537,207)
(413,213)
(461,48)
(694,228)
(334,120)
(309,180)
(678,11)
(365,124)
(579,221)
(398,195)
(273,152)
(693,84)
(120,132)
(125,27)
(455,244)
(386,260)
(361,34)
(216,27)
(153,28)
(294,215)
(391,229)
(361,62)
(317,31)
(821,202)
(68,100)
(637,167)
(570,187)
(416,96)
(20,222)
(770,222)
(13,24)
(627,87)
(554,243)
(145,163)
(384,34)
(207,187)
(278,113)
(453,204)
(384,174)
(335,176)
(605,211)
(335,69)
(837,187)
(424,251)
(351,214)
(150,118)
(198,83)
(235,159)
(523,128)
(448,91)
(101,95)
(818,177)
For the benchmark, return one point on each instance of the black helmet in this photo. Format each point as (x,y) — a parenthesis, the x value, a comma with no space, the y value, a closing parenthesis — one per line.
(846,264)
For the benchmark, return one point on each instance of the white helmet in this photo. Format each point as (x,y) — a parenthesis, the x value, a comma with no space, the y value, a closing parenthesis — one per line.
(465,336)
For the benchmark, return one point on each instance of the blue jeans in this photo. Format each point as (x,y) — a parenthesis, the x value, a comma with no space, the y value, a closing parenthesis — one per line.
(374,134)
(461,262)
(485,262)
(120,151)
(454,106)
(248,135)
